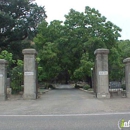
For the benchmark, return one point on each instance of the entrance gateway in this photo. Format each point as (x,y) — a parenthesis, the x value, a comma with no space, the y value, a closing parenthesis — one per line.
(101,75)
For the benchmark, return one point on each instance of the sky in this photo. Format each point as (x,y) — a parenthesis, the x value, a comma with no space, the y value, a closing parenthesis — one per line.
(116,11)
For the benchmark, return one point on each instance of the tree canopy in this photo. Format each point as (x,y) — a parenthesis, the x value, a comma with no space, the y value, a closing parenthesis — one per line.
(66,49)
(19,21)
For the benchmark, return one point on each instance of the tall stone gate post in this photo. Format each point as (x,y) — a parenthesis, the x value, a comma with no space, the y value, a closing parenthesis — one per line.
(3,79)
(30,81)
(127,76)
(101,72)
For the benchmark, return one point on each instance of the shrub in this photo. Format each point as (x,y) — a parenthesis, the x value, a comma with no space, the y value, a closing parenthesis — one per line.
(77,86)
(17,77)
(86,87)
(123,86)
(51,86)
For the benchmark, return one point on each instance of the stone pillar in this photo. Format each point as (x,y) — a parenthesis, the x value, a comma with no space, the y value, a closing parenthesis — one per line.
(127,76)
(3,79)
(101,73)
(30,81)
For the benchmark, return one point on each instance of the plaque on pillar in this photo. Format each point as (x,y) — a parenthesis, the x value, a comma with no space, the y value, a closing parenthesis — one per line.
(103,72)
(28,73)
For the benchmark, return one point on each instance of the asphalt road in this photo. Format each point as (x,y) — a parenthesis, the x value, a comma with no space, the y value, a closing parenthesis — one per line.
(64,109)
(63,122)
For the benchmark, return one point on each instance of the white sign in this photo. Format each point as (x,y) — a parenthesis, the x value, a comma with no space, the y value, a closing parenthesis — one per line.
(1,75)
(103,72)
(103,95)
(28,73)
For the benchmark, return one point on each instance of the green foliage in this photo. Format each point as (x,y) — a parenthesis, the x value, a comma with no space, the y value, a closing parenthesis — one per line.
(116,66)
(84,67)
(116,57)
(17,77)
(15,73)
(48,57)
(19,22)
(68,47)
(19,46)
(64,48)
(51,86)
(124,48)
(123,86)
(77,86)
(7,56)
(86,87)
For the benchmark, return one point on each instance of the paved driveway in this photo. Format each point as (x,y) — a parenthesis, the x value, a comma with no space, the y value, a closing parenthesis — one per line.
(64,101)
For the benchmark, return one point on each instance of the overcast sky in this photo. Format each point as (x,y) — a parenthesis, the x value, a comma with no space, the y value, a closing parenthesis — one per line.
(116,11)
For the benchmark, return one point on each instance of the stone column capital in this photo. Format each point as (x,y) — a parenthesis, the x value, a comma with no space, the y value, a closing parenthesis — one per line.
(2,61)
(101,51)
(29,52)
(127,60)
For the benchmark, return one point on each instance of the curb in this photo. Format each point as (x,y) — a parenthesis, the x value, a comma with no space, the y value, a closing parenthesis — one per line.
(85,90)
(45,91)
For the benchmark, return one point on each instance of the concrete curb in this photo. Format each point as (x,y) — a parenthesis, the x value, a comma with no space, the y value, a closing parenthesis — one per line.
(44,91)
(85,90)
(124,96)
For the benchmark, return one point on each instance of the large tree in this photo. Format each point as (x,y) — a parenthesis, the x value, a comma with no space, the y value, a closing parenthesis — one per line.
(19,21)
(75,41)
